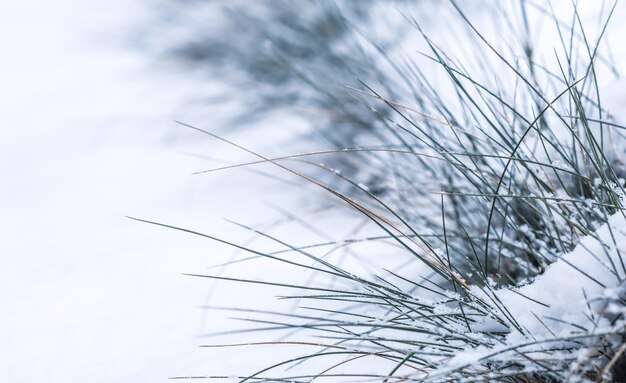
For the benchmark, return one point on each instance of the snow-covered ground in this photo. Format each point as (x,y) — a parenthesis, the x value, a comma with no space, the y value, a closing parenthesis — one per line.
(87,137)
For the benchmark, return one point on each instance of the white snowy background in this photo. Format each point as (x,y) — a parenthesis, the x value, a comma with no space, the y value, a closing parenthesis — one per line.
(87,137)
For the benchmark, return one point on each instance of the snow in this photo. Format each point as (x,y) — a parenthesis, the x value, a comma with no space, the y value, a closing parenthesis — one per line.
(562,301)
(87,138)
(594,268)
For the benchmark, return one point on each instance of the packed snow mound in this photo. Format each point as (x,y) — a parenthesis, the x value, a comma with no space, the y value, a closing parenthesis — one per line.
(571,317)
(577,286)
